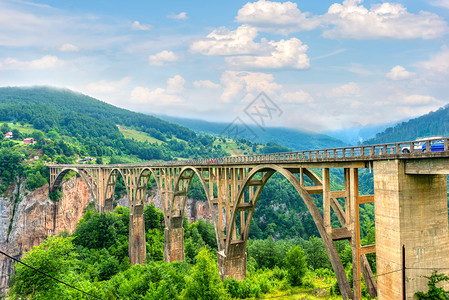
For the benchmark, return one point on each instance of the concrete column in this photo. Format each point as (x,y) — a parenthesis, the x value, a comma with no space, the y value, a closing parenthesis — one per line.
(233,267)
(174,241)
(137,244)
(108,205)
(411,210)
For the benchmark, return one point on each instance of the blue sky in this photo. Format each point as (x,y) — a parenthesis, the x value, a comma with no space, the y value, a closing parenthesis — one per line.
(325,64)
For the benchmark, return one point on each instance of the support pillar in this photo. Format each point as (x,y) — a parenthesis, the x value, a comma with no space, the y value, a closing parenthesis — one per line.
(137,245)
(411,210)
(234,267)
(174,241)
(108,205)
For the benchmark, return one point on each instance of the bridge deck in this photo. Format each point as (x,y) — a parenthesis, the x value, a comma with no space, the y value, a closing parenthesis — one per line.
(360,155)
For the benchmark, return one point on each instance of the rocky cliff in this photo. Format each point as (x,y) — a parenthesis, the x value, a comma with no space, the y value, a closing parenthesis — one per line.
(27,219)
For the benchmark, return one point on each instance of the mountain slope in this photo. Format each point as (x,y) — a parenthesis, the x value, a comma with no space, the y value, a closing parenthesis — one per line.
(431,124)
(91,124)
(291,138)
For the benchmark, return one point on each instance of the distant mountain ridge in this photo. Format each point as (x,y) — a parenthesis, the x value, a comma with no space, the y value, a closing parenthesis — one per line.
(291,138)
(431,124)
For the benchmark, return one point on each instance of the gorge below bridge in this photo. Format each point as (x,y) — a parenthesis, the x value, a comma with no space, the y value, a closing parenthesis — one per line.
(410,197)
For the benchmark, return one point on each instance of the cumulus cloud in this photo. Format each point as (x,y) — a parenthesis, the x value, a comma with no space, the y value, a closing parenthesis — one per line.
(108,87)
(243,52)
(281,17)
(69,48)
(46,62)
(239,84)
(438,64)
(350,89)
(298,97)
(441,3)
(399,73)
(162,58)
(205,84)
(160,97)
(175,85)
(223,41)
(419,100)
(136,25)
(180,16)
(386,20)
(284,54)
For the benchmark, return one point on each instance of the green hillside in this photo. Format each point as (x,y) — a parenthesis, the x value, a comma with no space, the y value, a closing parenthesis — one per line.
(92,126)
(431,124)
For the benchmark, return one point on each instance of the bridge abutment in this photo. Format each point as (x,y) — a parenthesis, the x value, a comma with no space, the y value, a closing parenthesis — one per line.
(411,210)
(174,241)
(137,243)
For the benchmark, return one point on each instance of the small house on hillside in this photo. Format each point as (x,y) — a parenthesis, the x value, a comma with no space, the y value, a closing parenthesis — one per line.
(29,141)
(8,135)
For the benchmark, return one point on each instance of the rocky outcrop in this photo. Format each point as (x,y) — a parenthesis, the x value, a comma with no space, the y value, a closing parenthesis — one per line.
(27,219)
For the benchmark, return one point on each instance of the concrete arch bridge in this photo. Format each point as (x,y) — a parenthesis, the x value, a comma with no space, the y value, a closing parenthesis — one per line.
(410,196)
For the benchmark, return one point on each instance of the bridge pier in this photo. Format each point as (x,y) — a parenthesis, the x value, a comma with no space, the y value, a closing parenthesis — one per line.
(411,211)
(137,244)
(174,241)
(232,267)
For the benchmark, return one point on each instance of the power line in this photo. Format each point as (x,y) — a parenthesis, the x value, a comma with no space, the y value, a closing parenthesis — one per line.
(45,274)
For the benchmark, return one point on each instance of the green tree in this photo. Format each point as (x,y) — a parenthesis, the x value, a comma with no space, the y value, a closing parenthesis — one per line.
(204,281)
(55,257)
(296,265)
(316,255)
(434,292)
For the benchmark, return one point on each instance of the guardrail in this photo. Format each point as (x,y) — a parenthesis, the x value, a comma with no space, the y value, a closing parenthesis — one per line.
(368,151)
(411,148)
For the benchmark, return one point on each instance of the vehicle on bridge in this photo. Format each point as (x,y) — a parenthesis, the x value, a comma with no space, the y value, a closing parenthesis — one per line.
(437,145)
(420,145)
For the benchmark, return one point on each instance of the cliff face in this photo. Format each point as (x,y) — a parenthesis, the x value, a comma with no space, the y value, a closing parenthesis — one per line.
(26,220)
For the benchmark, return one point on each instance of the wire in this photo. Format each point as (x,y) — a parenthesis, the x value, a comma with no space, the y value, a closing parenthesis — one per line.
(37,270)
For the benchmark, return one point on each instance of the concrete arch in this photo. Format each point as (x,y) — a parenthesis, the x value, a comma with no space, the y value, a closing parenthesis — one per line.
(205,188)
(115,182)
(58,180)
(318,219)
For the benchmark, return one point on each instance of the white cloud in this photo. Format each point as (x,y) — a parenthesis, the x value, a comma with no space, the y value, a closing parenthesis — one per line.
(399,73)
(438,64)
(180,16)
(282,17)
(419,100)
(223,41)
(160,97)
(386,20)
(69,48)
(162,58)
(46,62)
(442,3)
(205,84)
(241,84)
(298,97)
(156,97)
(108,87)
(243,52)
(284,54)
(136,25)
(175,85)
(350,89)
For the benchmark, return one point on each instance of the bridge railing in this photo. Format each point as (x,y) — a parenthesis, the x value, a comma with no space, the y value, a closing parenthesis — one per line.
(405,149)
(365,151)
